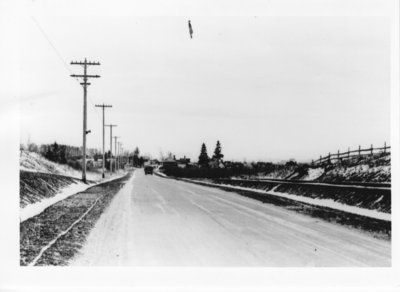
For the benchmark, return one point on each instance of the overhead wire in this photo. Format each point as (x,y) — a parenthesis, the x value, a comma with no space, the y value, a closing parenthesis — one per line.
(62,60)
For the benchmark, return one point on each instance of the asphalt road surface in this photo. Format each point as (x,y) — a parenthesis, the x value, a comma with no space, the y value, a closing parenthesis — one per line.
(155,221)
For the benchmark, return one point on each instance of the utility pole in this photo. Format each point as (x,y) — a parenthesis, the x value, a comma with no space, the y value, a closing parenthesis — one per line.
(103,106)
(122,157)
(119,155)
(85,84)
(116,155)
(111,126)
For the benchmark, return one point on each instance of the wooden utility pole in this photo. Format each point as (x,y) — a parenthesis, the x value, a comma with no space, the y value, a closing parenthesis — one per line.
(111,126)
(116,155)
(104,156)
(122,157)
(119,155)
(85,84)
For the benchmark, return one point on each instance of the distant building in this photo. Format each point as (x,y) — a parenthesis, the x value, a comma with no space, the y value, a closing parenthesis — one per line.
(146,159)
(169,162)
(216,163)
(232,164)
(192,165)
(90,162)
(183,162)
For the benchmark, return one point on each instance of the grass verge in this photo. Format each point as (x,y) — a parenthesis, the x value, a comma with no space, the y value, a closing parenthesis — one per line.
(37,232)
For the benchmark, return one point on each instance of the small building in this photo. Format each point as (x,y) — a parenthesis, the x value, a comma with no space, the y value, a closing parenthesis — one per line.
(169,162)
(183,162)
(216,163)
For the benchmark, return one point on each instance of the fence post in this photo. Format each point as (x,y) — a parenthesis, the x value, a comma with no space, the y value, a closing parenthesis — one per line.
(320,158)
(359,150)
(312,161)
(384,148)
(329,157)
(338,155)
(372,149)
(348,153)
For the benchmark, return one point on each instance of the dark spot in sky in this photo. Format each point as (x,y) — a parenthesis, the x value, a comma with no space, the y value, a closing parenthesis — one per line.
(190,29)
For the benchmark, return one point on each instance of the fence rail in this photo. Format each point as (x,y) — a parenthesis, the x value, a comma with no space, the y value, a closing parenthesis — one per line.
(340,156)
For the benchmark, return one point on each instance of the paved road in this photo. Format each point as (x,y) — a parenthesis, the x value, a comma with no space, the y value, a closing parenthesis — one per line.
(155,221)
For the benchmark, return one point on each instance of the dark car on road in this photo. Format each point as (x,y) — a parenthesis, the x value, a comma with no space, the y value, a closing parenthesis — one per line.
(148,169)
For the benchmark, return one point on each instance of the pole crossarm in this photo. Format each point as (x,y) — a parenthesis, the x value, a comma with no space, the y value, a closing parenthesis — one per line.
(83,76)
(103,105)
(84,63)
(85,83)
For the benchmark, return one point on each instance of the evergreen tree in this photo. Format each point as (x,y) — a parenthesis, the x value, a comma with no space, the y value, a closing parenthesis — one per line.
(107,157)
(141,161)
(203,158)
(217,152)
(48,154)
(56,153)
(52,152)
(63,154)
(136,160)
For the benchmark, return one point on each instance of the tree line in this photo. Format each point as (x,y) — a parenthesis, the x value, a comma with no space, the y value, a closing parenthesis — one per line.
(67,154)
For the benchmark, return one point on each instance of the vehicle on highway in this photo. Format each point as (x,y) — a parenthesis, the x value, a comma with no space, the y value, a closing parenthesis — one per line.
(148,169)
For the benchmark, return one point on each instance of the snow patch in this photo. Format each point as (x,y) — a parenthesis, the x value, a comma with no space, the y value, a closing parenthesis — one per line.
(335,205)
(316,202)
(160,174)
(37,208)
(314,173)
(34,162)
(378,200)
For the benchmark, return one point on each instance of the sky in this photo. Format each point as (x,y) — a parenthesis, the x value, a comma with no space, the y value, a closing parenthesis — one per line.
(271,81)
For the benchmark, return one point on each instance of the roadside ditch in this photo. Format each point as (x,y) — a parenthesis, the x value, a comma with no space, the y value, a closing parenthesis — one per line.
(55,235)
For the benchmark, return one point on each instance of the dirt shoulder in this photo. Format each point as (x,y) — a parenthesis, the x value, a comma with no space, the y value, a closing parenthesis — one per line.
(43,238)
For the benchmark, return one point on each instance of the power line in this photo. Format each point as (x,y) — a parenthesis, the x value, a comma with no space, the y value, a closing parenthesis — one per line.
(58,54)
(96,111)
(53,46)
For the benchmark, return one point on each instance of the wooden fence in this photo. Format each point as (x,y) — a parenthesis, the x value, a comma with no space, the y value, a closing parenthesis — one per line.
(340,156)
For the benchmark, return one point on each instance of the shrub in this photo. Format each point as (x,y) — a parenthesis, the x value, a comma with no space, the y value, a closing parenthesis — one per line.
(75,164)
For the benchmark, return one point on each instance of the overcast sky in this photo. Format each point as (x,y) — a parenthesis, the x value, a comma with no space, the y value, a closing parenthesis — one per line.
(270,86)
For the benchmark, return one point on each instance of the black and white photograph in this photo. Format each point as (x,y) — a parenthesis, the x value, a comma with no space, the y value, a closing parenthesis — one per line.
(179,140)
